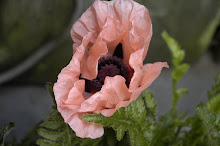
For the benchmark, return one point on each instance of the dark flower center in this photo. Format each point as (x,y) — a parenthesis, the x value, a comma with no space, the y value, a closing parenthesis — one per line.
(109,66)
(108,70)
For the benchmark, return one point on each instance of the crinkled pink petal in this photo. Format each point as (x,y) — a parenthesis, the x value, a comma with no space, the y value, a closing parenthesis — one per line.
(149,74)
(126,10)
(85,129)
(110,112)
(75,97)
(111,30)
(132,18)
(113,91)
(68,76)
(92,20)
(90,68)
(112,33)
(139,27)
(139,34)
(136,62)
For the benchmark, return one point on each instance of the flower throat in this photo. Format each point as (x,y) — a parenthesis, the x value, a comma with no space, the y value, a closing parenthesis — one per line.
(109,66)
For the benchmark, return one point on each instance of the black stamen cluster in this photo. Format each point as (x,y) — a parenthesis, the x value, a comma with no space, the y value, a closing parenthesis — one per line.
(109,66)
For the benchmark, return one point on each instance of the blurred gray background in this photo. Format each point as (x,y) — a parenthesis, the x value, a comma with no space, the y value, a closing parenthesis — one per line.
(35,45)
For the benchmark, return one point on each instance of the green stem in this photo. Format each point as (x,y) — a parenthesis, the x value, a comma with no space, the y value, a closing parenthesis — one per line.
(175,95)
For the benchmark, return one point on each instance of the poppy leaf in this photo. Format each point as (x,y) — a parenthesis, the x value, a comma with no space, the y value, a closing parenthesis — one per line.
(5,131)
(211,123)
(179,68)
(131,118)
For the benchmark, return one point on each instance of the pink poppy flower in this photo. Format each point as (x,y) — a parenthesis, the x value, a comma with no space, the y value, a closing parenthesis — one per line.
(106,71)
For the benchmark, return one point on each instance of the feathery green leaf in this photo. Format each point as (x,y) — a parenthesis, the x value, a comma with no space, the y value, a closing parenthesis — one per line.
(169,126)
(132,118)
(5,131)
(179,68)
(214,96)
(215,88)
(49,86)
(211,123)
(214,104)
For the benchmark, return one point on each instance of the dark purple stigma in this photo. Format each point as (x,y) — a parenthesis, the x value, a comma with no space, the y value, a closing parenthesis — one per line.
(108,66)
(109,70)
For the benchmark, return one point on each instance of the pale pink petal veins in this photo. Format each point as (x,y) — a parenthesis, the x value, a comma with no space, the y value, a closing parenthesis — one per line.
(112,32)
(139,33)
(68,76)
(133,18)
(150,73)
(90,68)
(131,14)
(136,62)
(75,97)
(92,20)
(84,129)
(113,91)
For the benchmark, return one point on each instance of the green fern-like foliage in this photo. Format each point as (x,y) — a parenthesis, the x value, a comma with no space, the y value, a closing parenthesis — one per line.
(55,132)
(196,136)
(179,68)
(5,131)
(169,126)
(211,122)
(138,118)
(214,96)
(214,104)
(215,88)
(205,124)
